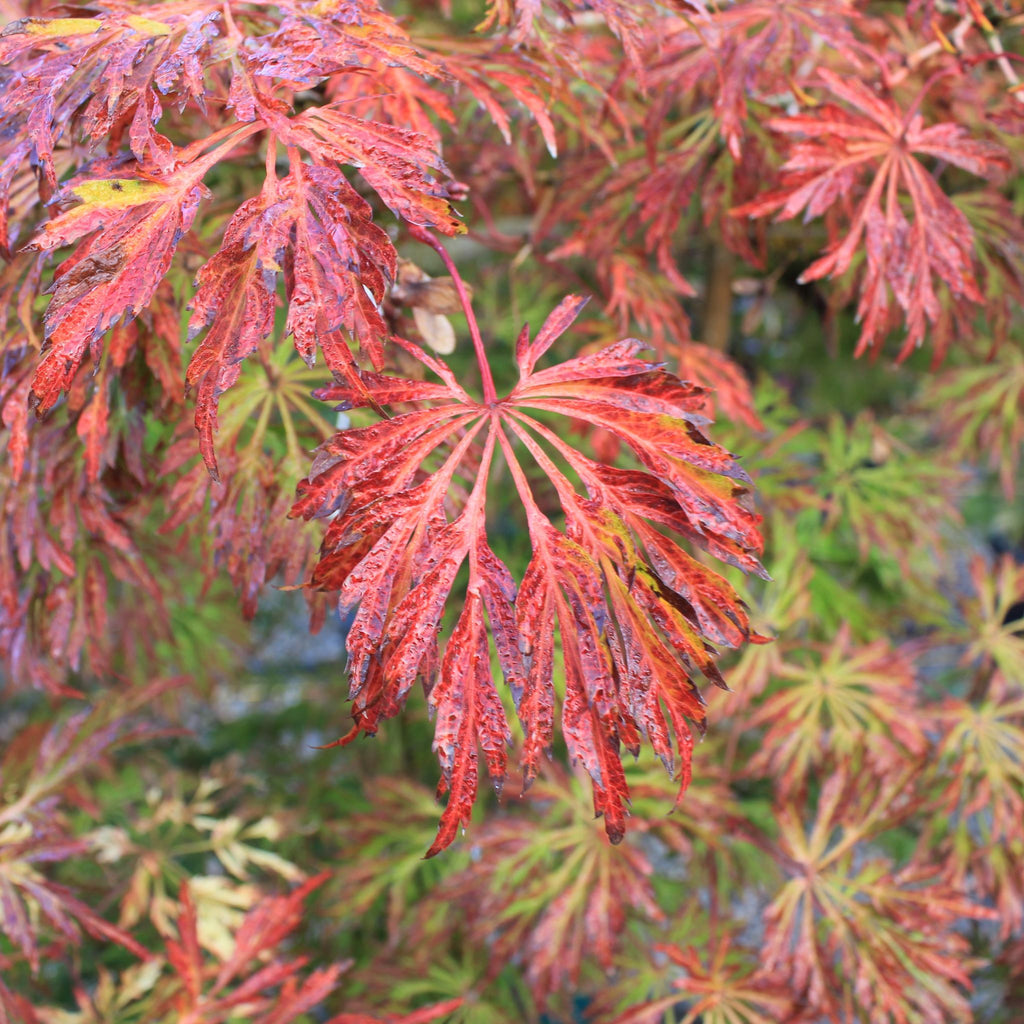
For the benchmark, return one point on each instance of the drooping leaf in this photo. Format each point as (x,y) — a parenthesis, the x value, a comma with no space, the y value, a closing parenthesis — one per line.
(629,615)
(913,240)
(338,266)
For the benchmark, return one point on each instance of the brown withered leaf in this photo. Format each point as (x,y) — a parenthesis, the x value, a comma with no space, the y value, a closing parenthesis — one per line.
(432,300)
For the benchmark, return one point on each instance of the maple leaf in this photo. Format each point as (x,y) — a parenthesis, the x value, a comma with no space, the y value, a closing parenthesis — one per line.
(878,486)
(391,881)
(131,227)
(132,212)
(844,701)
(312,42)
(983,739)
(983,411)
(979,772)
(719,989)
(107,76)
(28,895)
(633,209)
(175,819)
(776,610)
(992,624)
(255,977)
(871,934)
(739,52)
(397,96)
(68,548)
(635,614)
(400,165)
(529,20)
(104,73)
(549,889)
(862,160)
(39,770)
(211,991)
(730,389)
(14,408)
(245,516)
(339,265)
(486,75)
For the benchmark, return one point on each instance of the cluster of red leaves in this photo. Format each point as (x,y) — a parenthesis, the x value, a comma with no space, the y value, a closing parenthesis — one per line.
(69,545)
(113,122)
(308,237)
(862,158)
(267,993)
(735,126)
(126,114)
(128,212)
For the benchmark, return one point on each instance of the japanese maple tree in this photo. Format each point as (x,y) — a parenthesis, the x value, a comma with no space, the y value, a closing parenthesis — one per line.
(295,302)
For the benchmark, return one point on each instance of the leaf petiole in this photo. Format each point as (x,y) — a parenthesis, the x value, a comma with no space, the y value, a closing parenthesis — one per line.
(424,236)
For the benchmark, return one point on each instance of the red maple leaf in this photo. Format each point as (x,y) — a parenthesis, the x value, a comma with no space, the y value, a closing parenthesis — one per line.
(107,74)
(131,226)
(858,162)
(85,79)
(737,52)
(630,615)
(258,977)
(338,264)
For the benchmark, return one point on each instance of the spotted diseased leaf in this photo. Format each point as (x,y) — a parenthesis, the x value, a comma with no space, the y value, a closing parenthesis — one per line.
(609,601)
(400,165)
(107,74)
(469,715)
(131,227)
(112,76)
(236,298)
(115,78)
(315,40)
(341,265)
